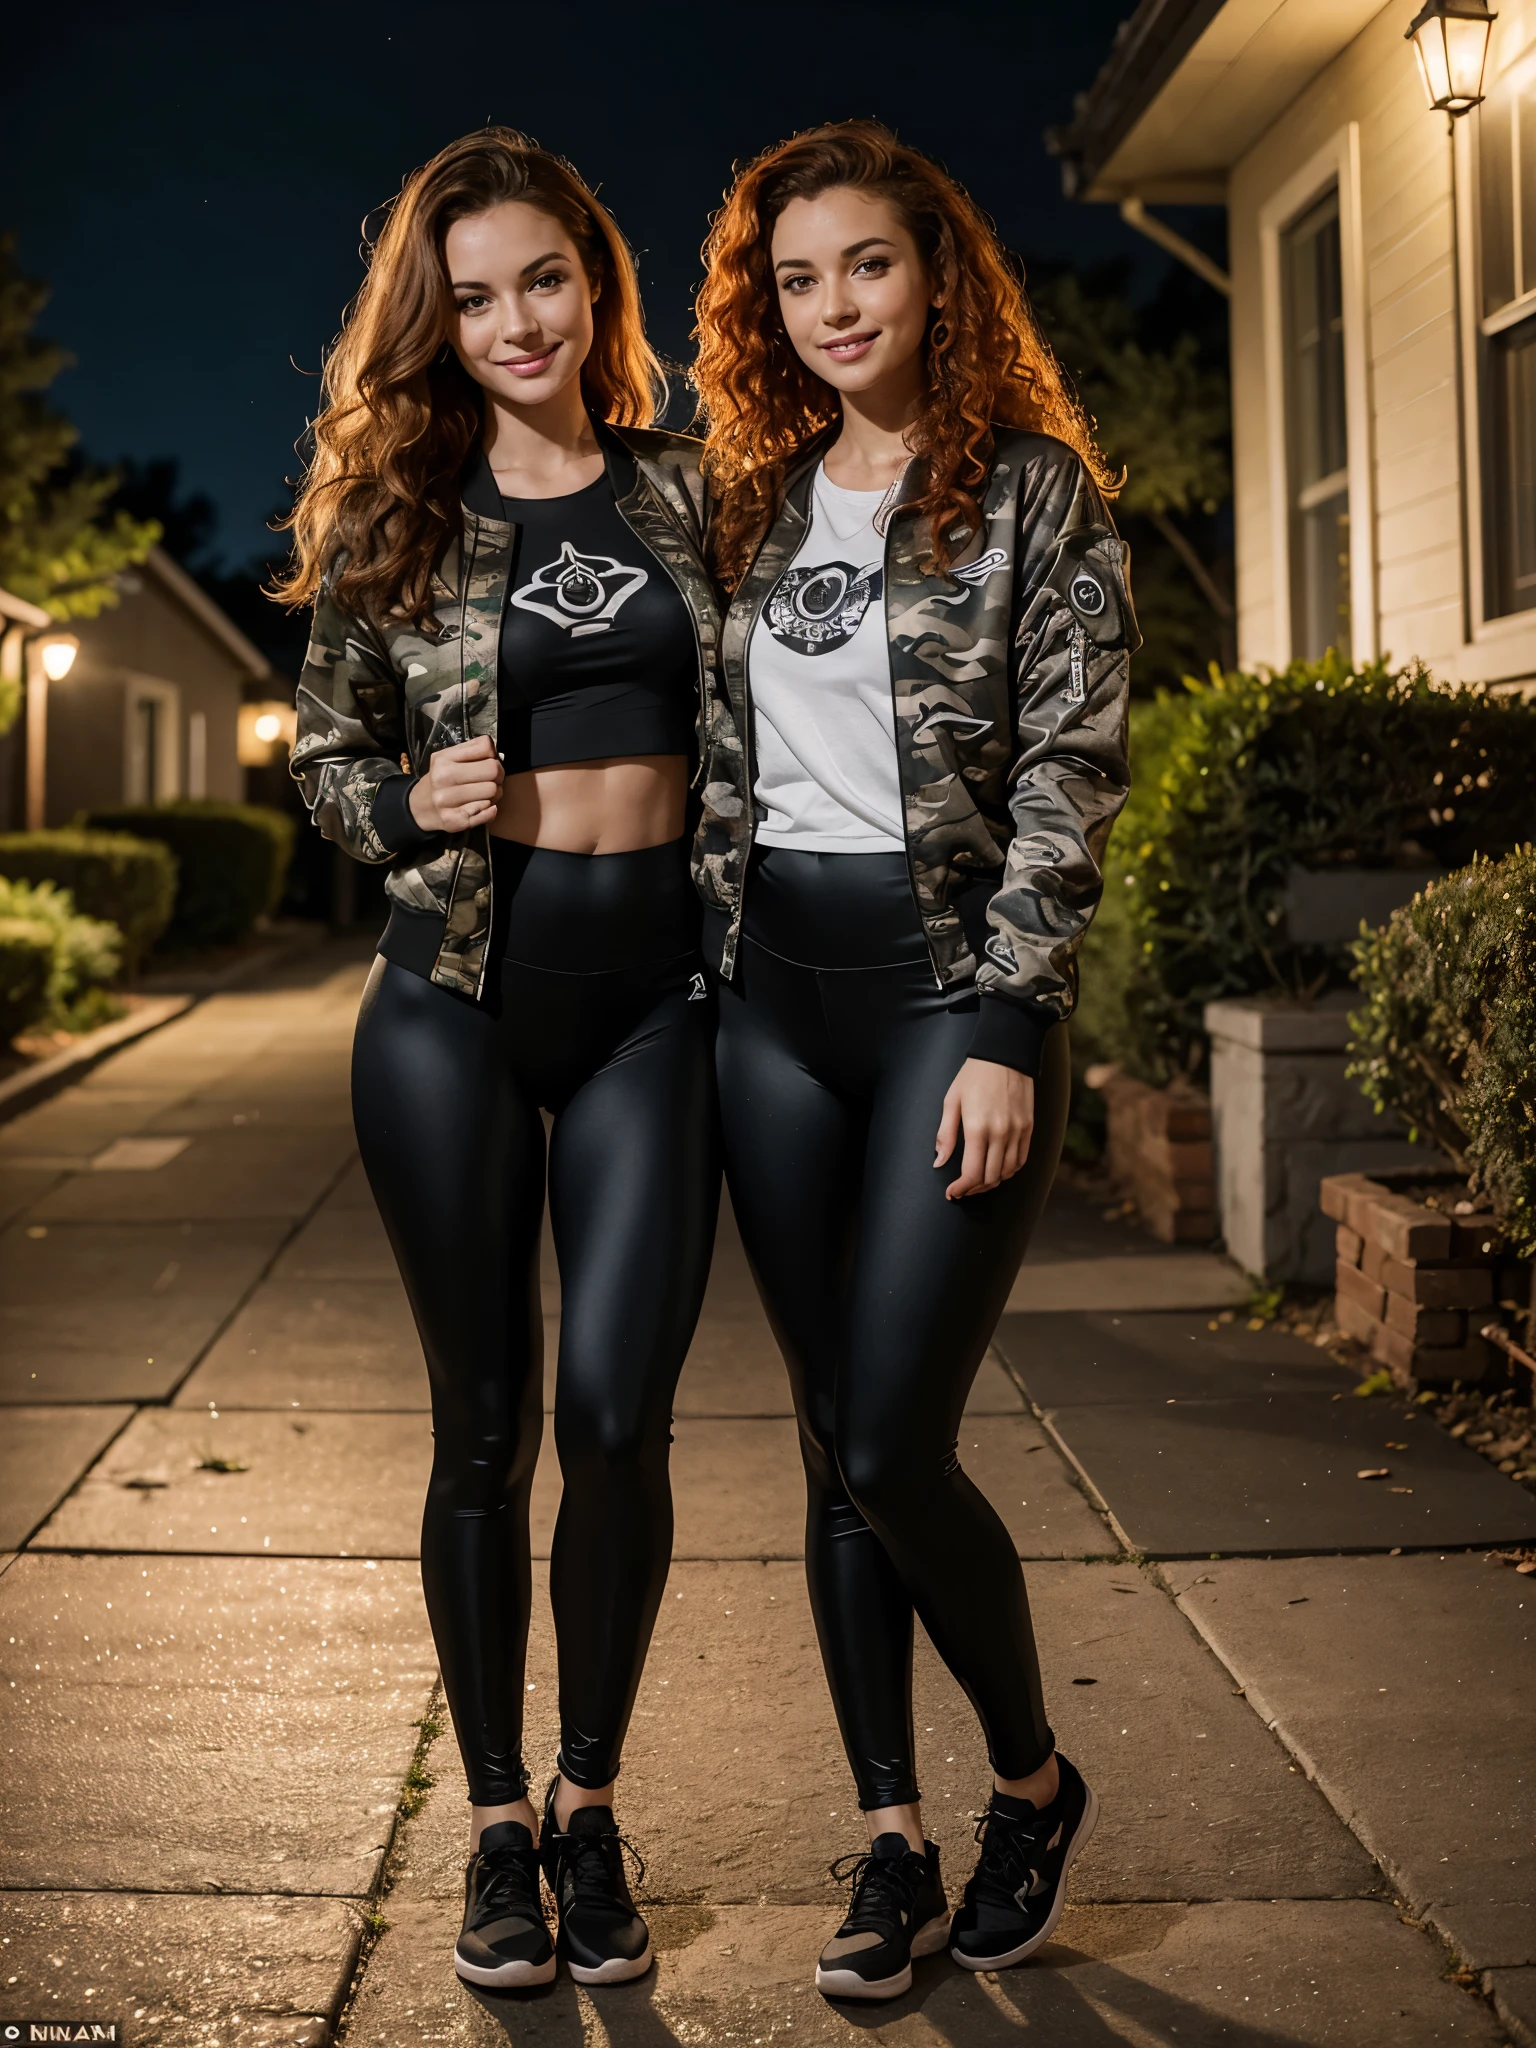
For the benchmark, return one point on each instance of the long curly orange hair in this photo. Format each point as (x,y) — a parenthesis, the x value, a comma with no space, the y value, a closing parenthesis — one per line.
(987,361)
(380,497)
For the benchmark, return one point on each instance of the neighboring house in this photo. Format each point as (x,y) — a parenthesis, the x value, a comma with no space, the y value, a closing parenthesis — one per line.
(151,707)
(1383,298)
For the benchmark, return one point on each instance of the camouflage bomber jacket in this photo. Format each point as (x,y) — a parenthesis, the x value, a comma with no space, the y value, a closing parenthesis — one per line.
(373,697)
(1010,677)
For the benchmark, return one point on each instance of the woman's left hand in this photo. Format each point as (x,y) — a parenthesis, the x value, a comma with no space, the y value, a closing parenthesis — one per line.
(994,1108)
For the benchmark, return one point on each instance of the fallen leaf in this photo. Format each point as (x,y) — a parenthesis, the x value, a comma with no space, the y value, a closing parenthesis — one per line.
(1374,1472)
(1399,1489)
(1395,1447)
(1299,1601)
(1527,1568)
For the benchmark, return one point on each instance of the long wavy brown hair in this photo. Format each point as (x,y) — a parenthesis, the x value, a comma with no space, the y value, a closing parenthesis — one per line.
(987,363)
(380,496)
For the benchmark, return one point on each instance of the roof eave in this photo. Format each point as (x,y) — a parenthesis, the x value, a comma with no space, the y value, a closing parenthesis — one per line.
(1148,49)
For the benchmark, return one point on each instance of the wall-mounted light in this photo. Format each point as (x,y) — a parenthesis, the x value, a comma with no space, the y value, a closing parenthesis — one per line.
(1450,40)
(57,654)
(264,728)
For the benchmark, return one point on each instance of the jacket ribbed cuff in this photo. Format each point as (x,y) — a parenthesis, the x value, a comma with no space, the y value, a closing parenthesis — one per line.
(1010,1033)
(392,818)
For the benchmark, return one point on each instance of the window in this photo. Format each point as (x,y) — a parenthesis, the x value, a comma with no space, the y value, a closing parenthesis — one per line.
(1318,454)
(144,751)
(1506,184)
(152,751)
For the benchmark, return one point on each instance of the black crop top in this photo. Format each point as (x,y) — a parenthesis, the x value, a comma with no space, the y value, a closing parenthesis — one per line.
(598,655)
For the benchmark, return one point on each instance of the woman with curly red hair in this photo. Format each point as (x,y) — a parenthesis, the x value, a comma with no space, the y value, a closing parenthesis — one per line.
(514,635)
(926,659)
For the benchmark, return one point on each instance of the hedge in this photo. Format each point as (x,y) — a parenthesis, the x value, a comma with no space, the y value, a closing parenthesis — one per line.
(125,881)
(231,862)
(1445,1031)
(26,962)
(87,951)
(1254,775)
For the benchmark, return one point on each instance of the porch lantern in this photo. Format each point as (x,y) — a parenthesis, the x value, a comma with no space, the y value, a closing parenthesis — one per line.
(1450,39)
(57,654)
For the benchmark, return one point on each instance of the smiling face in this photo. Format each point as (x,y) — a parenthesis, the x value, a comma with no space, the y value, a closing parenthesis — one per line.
(854,292)
(522,303)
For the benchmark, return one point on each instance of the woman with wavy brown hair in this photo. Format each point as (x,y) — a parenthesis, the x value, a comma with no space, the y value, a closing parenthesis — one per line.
(510,663)
(925,657)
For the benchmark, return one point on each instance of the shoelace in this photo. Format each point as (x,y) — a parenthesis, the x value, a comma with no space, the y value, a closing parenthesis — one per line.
(879,1883)
(596,1864)
(510,1888)
(1010,1851)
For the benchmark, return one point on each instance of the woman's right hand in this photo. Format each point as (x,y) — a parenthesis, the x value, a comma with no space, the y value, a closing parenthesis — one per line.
(462,787)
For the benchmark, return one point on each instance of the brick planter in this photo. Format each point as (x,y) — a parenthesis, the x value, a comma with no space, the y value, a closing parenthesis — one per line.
(1159,1153)
(1415,1284)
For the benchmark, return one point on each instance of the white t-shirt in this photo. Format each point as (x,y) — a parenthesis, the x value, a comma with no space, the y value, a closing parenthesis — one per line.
(819,663)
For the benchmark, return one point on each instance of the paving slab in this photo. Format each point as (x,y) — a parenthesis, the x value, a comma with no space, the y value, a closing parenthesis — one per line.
(179,1972)
(303,1343)
(221,1174)
(322,1485)
(1404,1686)
(1177,1280)
(339,1243)
(118,1311)
(23,1186)
(1287,1975)
(1190,1478)
(78,1121)
(735,1787)
(43,1451)
(1514,2000)
(196,1724)
(1066,1361)
(266,1102)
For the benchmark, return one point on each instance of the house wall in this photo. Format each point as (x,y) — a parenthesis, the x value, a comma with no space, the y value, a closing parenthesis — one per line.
(148,642)
(1403,315)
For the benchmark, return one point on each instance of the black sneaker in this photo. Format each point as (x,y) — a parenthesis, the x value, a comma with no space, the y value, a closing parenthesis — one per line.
(602,1937)
(1013,1902)
(505,1941)
(899,1911)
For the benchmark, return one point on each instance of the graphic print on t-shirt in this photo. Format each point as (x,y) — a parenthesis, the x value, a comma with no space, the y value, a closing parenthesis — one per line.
(582,593)
(816,608)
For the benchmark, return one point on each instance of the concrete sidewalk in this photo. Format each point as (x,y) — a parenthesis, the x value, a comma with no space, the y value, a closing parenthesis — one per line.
(1314,1769)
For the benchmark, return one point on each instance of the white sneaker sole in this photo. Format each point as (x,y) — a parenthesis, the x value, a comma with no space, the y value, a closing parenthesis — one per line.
(927,1941)
(617,1969)
(506,1976)
(1075,1848)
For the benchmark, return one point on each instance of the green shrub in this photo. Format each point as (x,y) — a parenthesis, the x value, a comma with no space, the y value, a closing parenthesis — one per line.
(1445,1032)
(26,962)
(1109,1022)
(1318,766)
(125,881)
(232,860)
(86,952)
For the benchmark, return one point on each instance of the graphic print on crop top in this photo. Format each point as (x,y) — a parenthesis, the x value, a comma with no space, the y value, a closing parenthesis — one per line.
(582,593)
(598,654)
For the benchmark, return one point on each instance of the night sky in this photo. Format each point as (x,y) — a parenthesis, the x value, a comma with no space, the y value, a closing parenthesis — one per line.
(191,181)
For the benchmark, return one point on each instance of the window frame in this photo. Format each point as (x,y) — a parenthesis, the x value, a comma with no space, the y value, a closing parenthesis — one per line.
(1335,166)
(1510,635)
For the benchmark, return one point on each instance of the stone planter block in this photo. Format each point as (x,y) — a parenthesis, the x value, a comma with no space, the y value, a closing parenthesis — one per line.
(1285,1119)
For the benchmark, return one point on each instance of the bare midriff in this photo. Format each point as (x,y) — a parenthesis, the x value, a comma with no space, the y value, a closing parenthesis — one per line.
(611,806)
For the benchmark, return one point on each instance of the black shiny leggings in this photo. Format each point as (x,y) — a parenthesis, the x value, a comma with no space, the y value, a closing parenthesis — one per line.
(883,1296)
(446,1097)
